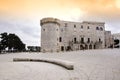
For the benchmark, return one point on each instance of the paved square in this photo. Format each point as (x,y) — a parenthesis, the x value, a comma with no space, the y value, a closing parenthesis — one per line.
(89,65)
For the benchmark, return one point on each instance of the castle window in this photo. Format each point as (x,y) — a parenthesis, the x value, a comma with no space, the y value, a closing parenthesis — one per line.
(62,48)
(88,40)
(90,46)
(60,39)
(99,40)
(43,29)
(74,26)
(97,28)
(88,27)
(81,26)
(82,40)
(101,28)
(94,46)
(75,40)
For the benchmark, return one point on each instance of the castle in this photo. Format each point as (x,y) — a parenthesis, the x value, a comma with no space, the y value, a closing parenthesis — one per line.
(58,35)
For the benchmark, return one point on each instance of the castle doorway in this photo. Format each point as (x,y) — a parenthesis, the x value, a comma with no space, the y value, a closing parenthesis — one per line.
(62,48)
(75,40)
(86,47)
(94,46)
(81,47)
(90,46)
(68,48)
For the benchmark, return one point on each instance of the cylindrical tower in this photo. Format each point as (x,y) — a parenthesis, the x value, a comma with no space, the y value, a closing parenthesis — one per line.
(50,34)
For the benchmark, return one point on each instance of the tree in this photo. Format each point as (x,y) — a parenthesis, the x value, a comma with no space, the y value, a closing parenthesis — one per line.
(12,42)
(4,40)
(0,47)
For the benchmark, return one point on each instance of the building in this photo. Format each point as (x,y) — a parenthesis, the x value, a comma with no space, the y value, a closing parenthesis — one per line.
(33,48)
(109,40)
(58,35)
(116,37)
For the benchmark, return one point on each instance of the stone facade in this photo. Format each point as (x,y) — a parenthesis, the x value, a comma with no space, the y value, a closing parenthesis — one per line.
(116,36)
(108,39)
(58,35)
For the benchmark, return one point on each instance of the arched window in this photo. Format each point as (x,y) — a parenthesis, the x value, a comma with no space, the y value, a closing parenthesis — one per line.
(74,26)
(94,46)
(99,40)
(82,40)
(97,28)
(88,27)
(101,28)
(88,40)
(90,46)
(81,26)
(60,39)
(43,29)
(62,48)
(75,40)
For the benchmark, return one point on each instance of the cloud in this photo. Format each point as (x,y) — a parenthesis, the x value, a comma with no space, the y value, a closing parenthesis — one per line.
(26,30)
(23,17)
(106,11)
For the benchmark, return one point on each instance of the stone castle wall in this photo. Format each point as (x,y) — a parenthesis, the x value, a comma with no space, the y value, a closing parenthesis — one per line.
(57,35)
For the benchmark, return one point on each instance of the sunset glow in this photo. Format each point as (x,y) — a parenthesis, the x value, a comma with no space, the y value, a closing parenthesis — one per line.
(27,13)
(59,8)
(118,3)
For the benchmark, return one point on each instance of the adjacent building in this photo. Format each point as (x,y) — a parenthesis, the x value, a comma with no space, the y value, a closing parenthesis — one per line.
(117,37)
(109,40)
(58,35)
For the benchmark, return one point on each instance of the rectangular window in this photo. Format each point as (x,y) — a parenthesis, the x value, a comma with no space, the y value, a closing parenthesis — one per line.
(60,39)
(88,27)
(74,26)
(43,29)
(62,48)
(99,40)
(75,40)
(88,40)
(82,40)
(81,26)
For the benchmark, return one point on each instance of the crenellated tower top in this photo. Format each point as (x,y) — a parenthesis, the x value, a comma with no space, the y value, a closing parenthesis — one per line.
(49,20)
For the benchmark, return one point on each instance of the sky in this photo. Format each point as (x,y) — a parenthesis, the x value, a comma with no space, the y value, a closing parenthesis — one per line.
(22,17)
